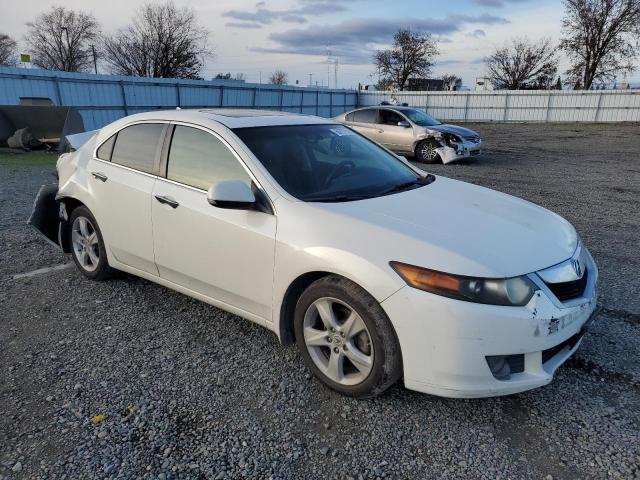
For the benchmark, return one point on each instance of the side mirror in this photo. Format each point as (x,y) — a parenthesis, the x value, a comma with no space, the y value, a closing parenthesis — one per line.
(233,194)
(404,123)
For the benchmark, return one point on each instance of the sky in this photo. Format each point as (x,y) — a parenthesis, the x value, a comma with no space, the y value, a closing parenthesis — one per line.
(255,38)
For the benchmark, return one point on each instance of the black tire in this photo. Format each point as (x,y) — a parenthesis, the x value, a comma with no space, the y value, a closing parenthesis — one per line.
(425,151)
(102,270)
(387,358)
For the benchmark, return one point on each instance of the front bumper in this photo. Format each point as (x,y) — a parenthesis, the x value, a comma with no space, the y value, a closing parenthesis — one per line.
(459,151)
(445,342)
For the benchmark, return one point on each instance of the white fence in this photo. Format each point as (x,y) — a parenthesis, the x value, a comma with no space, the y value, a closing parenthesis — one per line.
(520,105)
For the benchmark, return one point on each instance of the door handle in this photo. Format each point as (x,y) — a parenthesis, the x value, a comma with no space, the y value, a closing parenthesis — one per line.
(167,201)
(100,176)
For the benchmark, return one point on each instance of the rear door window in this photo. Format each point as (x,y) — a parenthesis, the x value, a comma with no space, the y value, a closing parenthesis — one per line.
(368,115)
(199,159)
(138,146)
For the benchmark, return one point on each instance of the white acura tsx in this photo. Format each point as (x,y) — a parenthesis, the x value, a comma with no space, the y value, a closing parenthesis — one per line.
(375,269)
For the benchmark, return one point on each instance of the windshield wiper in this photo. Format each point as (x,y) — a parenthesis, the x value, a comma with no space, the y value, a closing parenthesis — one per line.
(420,182)
(337,198)
(417,182)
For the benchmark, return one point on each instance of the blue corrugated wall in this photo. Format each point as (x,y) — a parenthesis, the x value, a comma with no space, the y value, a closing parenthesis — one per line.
(101,99)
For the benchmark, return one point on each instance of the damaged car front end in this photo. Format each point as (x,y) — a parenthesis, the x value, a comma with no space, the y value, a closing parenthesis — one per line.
(454,146)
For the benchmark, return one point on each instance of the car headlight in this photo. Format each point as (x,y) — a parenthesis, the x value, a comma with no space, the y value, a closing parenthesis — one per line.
(451,139)
(515,291)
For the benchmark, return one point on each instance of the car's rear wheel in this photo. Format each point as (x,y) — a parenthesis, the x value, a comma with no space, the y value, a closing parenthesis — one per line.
(87,245)
(346,339)
(426,151)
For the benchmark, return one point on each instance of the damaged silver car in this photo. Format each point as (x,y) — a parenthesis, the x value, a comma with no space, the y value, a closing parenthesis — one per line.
(409,131)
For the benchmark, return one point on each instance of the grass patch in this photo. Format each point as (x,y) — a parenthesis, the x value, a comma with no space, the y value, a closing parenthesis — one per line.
(29,159)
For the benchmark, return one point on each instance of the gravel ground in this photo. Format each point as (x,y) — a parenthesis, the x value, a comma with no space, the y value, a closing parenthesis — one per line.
(179,389)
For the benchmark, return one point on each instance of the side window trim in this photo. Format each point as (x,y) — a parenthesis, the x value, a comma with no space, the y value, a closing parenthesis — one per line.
(157,159)
(115,139)
(396,112)
(403,117)
(164,153)
(218,137)
(157,162)
(164,161)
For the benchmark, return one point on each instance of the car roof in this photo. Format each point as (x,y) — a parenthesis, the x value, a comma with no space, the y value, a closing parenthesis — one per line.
(231,117)
(388,107)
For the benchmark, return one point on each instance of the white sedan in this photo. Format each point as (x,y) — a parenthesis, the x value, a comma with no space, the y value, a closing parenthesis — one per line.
(375,269)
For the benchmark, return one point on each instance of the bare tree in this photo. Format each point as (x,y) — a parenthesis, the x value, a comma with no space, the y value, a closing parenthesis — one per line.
(384,84)
(523,65)
(8,48)
(163,41)
(412,55)
(62,39)
(601,39)
(279,77)
(227,76)
(451,81)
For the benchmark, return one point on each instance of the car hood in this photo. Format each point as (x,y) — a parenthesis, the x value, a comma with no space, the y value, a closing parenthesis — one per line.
(457,227)
(454,129)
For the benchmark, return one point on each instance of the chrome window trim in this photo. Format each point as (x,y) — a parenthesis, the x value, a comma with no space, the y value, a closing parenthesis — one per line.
(152,175)
(159,177)
(137,122)
(230,148)
(195,189)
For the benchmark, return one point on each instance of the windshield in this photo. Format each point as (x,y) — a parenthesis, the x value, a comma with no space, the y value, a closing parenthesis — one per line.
(420,118)
(328,163)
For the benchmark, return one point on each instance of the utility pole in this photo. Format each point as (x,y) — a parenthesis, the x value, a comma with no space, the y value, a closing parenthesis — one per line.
(95,61)
(328,66)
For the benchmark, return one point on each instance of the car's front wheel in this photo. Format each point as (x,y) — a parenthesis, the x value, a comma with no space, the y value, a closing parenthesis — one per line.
(346,339)
(87,245)
(426,151)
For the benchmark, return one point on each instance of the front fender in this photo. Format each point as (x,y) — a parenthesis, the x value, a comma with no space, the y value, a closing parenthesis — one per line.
(423,136)
(292,264)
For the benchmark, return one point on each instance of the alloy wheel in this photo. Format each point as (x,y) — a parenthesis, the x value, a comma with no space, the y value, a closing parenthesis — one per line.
(84,239)
(338,341)
(428,151)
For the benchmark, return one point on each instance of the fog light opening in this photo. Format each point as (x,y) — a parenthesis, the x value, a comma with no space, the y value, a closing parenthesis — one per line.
(499,367)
